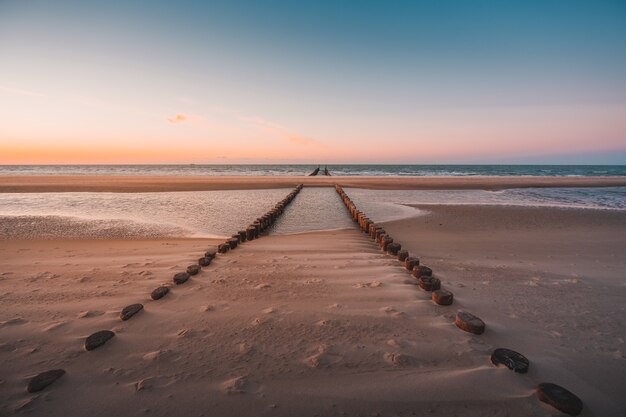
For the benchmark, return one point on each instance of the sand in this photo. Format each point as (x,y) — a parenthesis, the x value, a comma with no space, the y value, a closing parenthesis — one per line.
(323,323)
(111,183)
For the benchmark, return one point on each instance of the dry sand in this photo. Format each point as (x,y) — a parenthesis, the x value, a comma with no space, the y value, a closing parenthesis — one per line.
(323,323)
(111,183)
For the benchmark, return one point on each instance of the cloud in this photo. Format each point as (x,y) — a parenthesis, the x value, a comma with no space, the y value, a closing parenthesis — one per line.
(179,118)
(279,130)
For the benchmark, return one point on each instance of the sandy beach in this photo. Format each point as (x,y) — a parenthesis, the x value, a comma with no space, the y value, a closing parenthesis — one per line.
(128,183)
(323,323)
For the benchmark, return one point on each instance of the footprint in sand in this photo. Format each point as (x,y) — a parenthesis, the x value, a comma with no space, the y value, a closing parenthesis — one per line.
(237,385)
(373,284)
(322,358)
(393,312)
(54,325)
(258,321)
(262,286)
(400,359)
(16,321)
(244,348)
(269,310)
(155,355)
(395,343)
(89,313)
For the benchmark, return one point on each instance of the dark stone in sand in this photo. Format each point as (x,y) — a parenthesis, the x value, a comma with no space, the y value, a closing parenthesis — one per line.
(210,253)
(130,311)
(223,248)
(159,293)
(402,255)
(393,248)
(233,242)
(411,262)
(193,269)
(98,339)
(429,283)
(181,278)
(442,297)
(511,359)
(559,398)
(422,271)
(42,380)
(242,235)
(204,261)
(469,322)
(250,233)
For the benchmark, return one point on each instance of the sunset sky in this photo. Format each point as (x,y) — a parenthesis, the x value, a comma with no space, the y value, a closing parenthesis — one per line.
(313,82)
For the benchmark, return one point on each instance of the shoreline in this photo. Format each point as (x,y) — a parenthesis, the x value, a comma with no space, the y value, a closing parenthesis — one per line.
(130,184)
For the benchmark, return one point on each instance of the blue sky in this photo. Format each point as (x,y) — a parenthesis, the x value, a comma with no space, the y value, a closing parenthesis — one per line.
(277,81)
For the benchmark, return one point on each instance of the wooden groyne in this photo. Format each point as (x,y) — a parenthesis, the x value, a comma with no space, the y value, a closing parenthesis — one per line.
(101,337)
(555,395)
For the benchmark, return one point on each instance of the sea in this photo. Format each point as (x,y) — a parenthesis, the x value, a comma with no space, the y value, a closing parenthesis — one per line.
(199,214)
(339,170)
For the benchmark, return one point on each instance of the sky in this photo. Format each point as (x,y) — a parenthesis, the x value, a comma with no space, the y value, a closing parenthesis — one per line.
(398,82)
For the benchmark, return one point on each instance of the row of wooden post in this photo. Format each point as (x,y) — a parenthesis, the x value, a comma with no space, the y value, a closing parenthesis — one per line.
(422,273)
(552,394)
(257,227)
(99,338)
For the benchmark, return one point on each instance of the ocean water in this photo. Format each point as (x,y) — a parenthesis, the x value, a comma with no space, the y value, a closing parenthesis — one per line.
(338,170)
(222,213)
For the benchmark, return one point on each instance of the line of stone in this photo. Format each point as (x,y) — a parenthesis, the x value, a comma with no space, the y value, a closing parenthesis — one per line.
(99,338)
(555,395)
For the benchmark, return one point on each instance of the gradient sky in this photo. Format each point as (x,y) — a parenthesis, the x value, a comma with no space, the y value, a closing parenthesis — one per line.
(465,81)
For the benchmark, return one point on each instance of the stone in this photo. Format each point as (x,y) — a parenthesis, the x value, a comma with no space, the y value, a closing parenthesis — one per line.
(211,253)
(223,248)
(422,271)
(204,261)
(130,311)
(159,293)
(442,297)
(393,248)
(233,242)
(511,359)
(42,380)
(411,262)
(181,278)
(250,233)
(402,255)
(193,269)
(469,323)
(98,339)
(429,283)
(559,398)
(242,235)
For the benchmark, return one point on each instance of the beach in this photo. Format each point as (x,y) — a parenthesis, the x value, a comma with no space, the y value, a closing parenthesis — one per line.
(144,183)
(322,322)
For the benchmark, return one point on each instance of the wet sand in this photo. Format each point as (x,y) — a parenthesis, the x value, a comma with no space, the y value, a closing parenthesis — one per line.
(110,183)
(323,323)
